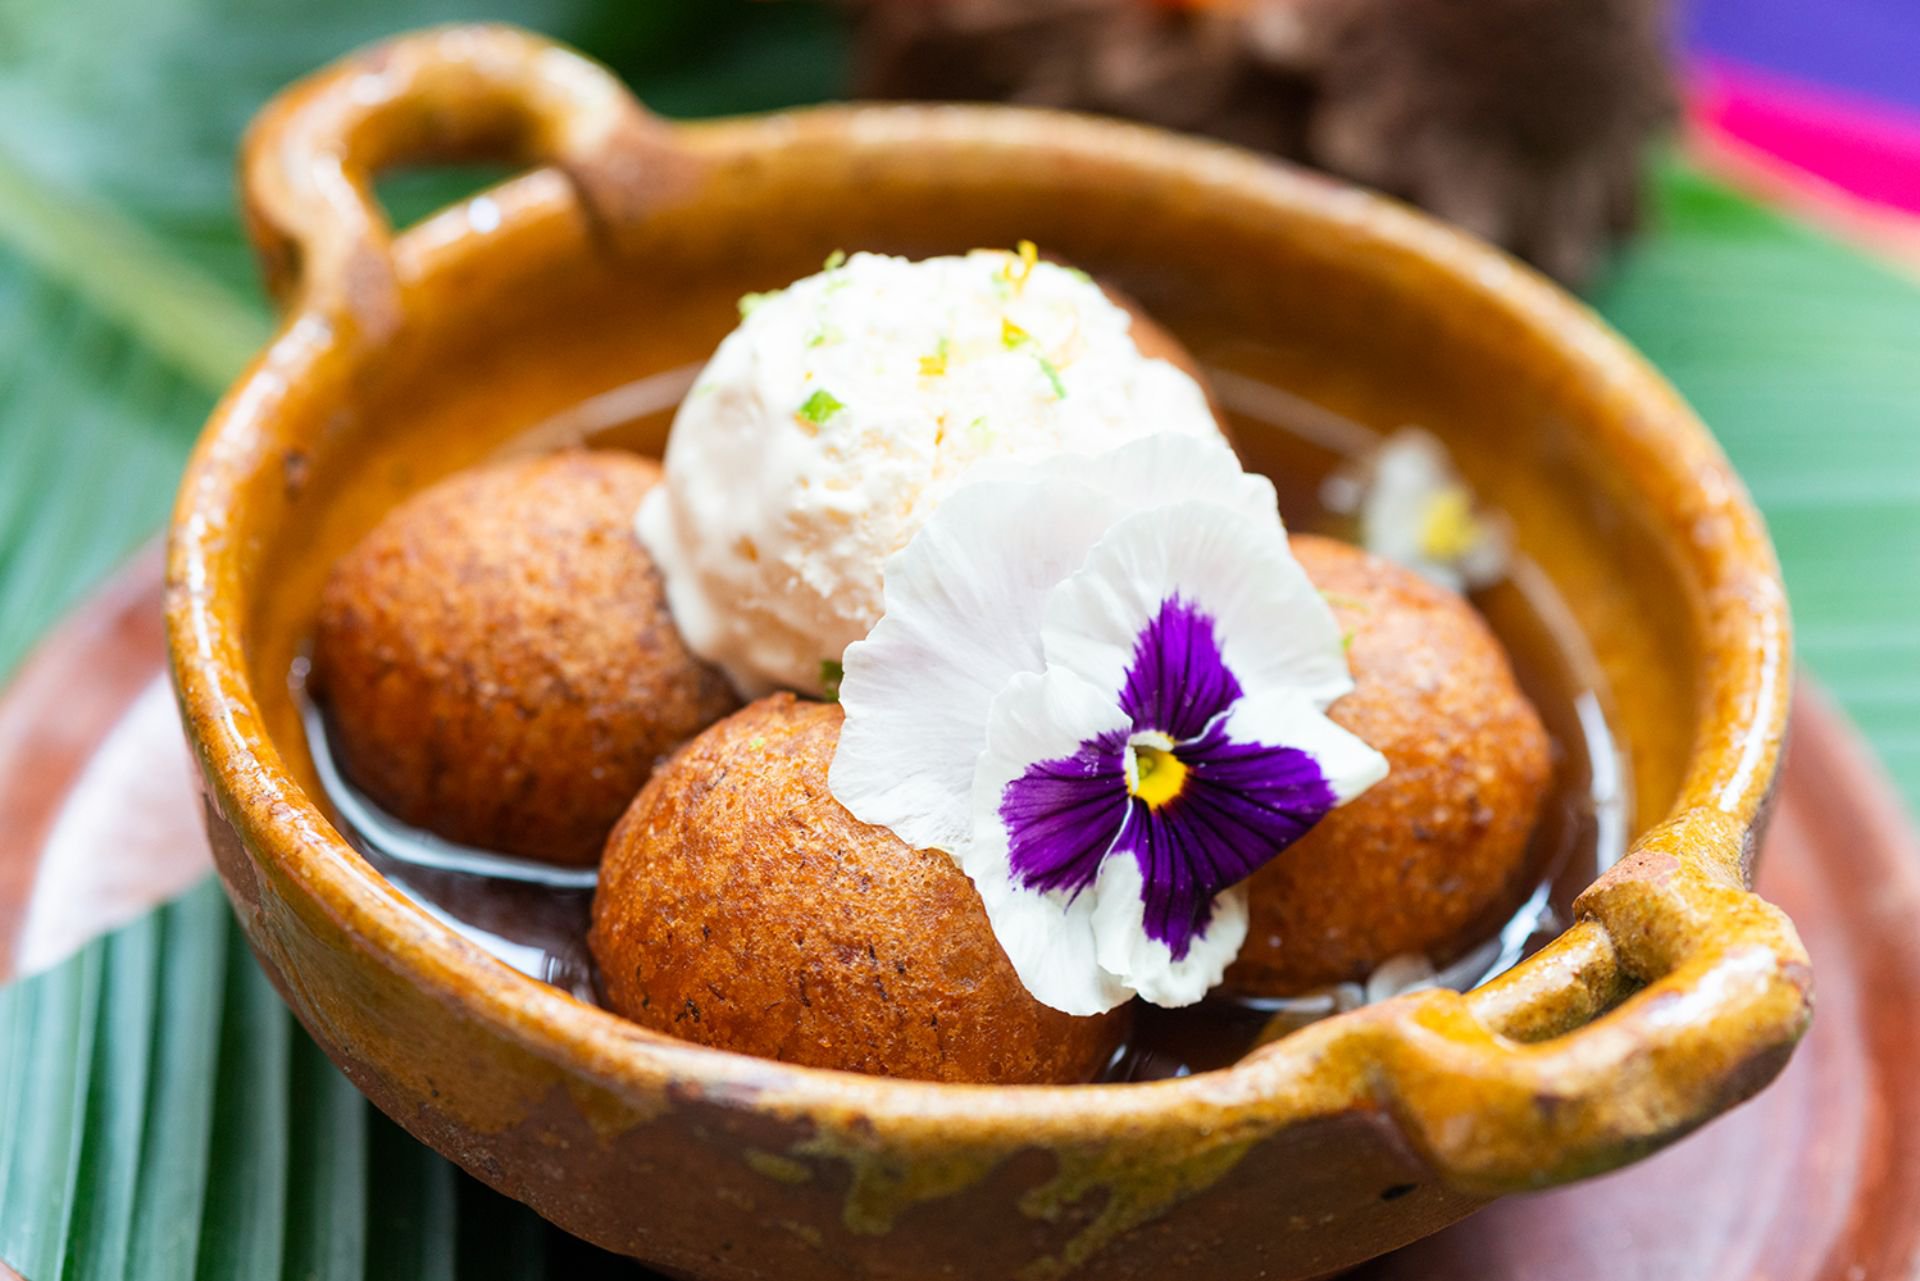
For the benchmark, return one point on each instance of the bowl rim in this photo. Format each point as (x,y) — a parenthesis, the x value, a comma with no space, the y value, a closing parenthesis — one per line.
(1629,926)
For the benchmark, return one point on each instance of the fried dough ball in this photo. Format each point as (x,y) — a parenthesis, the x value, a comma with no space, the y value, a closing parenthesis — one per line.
(1433,848)
(497,660)
(741,907)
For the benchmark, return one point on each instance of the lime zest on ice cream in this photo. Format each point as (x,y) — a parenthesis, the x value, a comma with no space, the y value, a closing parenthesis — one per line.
(1012,337)
(750,303)
(1053,376)
(819,407)
(936,364)
(1020,266)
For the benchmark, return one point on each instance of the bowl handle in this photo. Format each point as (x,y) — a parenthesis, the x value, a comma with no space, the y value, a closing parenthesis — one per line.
(470,92)
(1701,989)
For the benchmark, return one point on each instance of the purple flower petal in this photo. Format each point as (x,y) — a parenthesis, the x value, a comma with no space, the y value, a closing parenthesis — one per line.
(1233,806)
(1062,815)
(1240,805)
(1178,682)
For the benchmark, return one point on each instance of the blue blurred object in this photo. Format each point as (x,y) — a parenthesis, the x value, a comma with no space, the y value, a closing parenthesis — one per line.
(1866,48)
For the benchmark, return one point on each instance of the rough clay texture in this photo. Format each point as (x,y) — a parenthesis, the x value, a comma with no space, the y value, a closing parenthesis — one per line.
(741,906)
(498,660)
(1430,850)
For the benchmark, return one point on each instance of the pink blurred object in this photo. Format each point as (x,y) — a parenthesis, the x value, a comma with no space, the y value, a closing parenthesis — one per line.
(1864,148)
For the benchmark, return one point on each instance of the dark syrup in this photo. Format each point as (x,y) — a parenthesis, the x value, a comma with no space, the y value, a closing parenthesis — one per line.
(534,917)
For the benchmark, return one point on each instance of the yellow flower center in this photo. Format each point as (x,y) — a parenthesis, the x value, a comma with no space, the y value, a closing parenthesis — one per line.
(1154,773)
(1448,529)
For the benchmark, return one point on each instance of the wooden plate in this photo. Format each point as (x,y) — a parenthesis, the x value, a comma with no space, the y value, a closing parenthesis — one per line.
(1818,1179)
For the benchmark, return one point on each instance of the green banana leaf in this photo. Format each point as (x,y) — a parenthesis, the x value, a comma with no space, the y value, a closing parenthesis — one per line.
(127,295)
(162,1118)
(160,1114)
(1804,357)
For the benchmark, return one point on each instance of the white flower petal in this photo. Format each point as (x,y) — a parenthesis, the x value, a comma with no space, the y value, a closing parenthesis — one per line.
(1409,473)
(964,601)
(1012,619)
(1157,470)
(1275,631)
(1146,965)
(1050,940)
(1288,719)
(1049,936)
(1488,560)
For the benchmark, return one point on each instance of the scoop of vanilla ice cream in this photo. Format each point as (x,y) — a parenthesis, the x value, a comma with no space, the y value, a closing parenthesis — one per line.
(831,423)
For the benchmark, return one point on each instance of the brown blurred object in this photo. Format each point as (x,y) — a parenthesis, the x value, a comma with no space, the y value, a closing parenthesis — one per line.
(1522,120)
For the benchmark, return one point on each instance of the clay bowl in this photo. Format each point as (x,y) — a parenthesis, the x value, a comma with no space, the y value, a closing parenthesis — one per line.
(511,320)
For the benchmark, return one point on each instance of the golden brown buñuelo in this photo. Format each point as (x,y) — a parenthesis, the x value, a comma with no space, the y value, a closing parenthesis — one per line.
(1429,851)
(497,659)
(741,906)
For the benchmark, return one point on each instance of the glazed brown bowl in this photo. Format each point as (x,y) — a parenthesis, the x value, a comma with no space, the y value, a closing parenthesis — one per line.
(561,300)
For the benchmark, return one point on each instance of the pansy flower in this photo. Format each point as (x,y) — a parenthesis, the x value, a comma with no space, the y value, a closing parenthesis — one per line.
(1100,683)
(1413,508)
